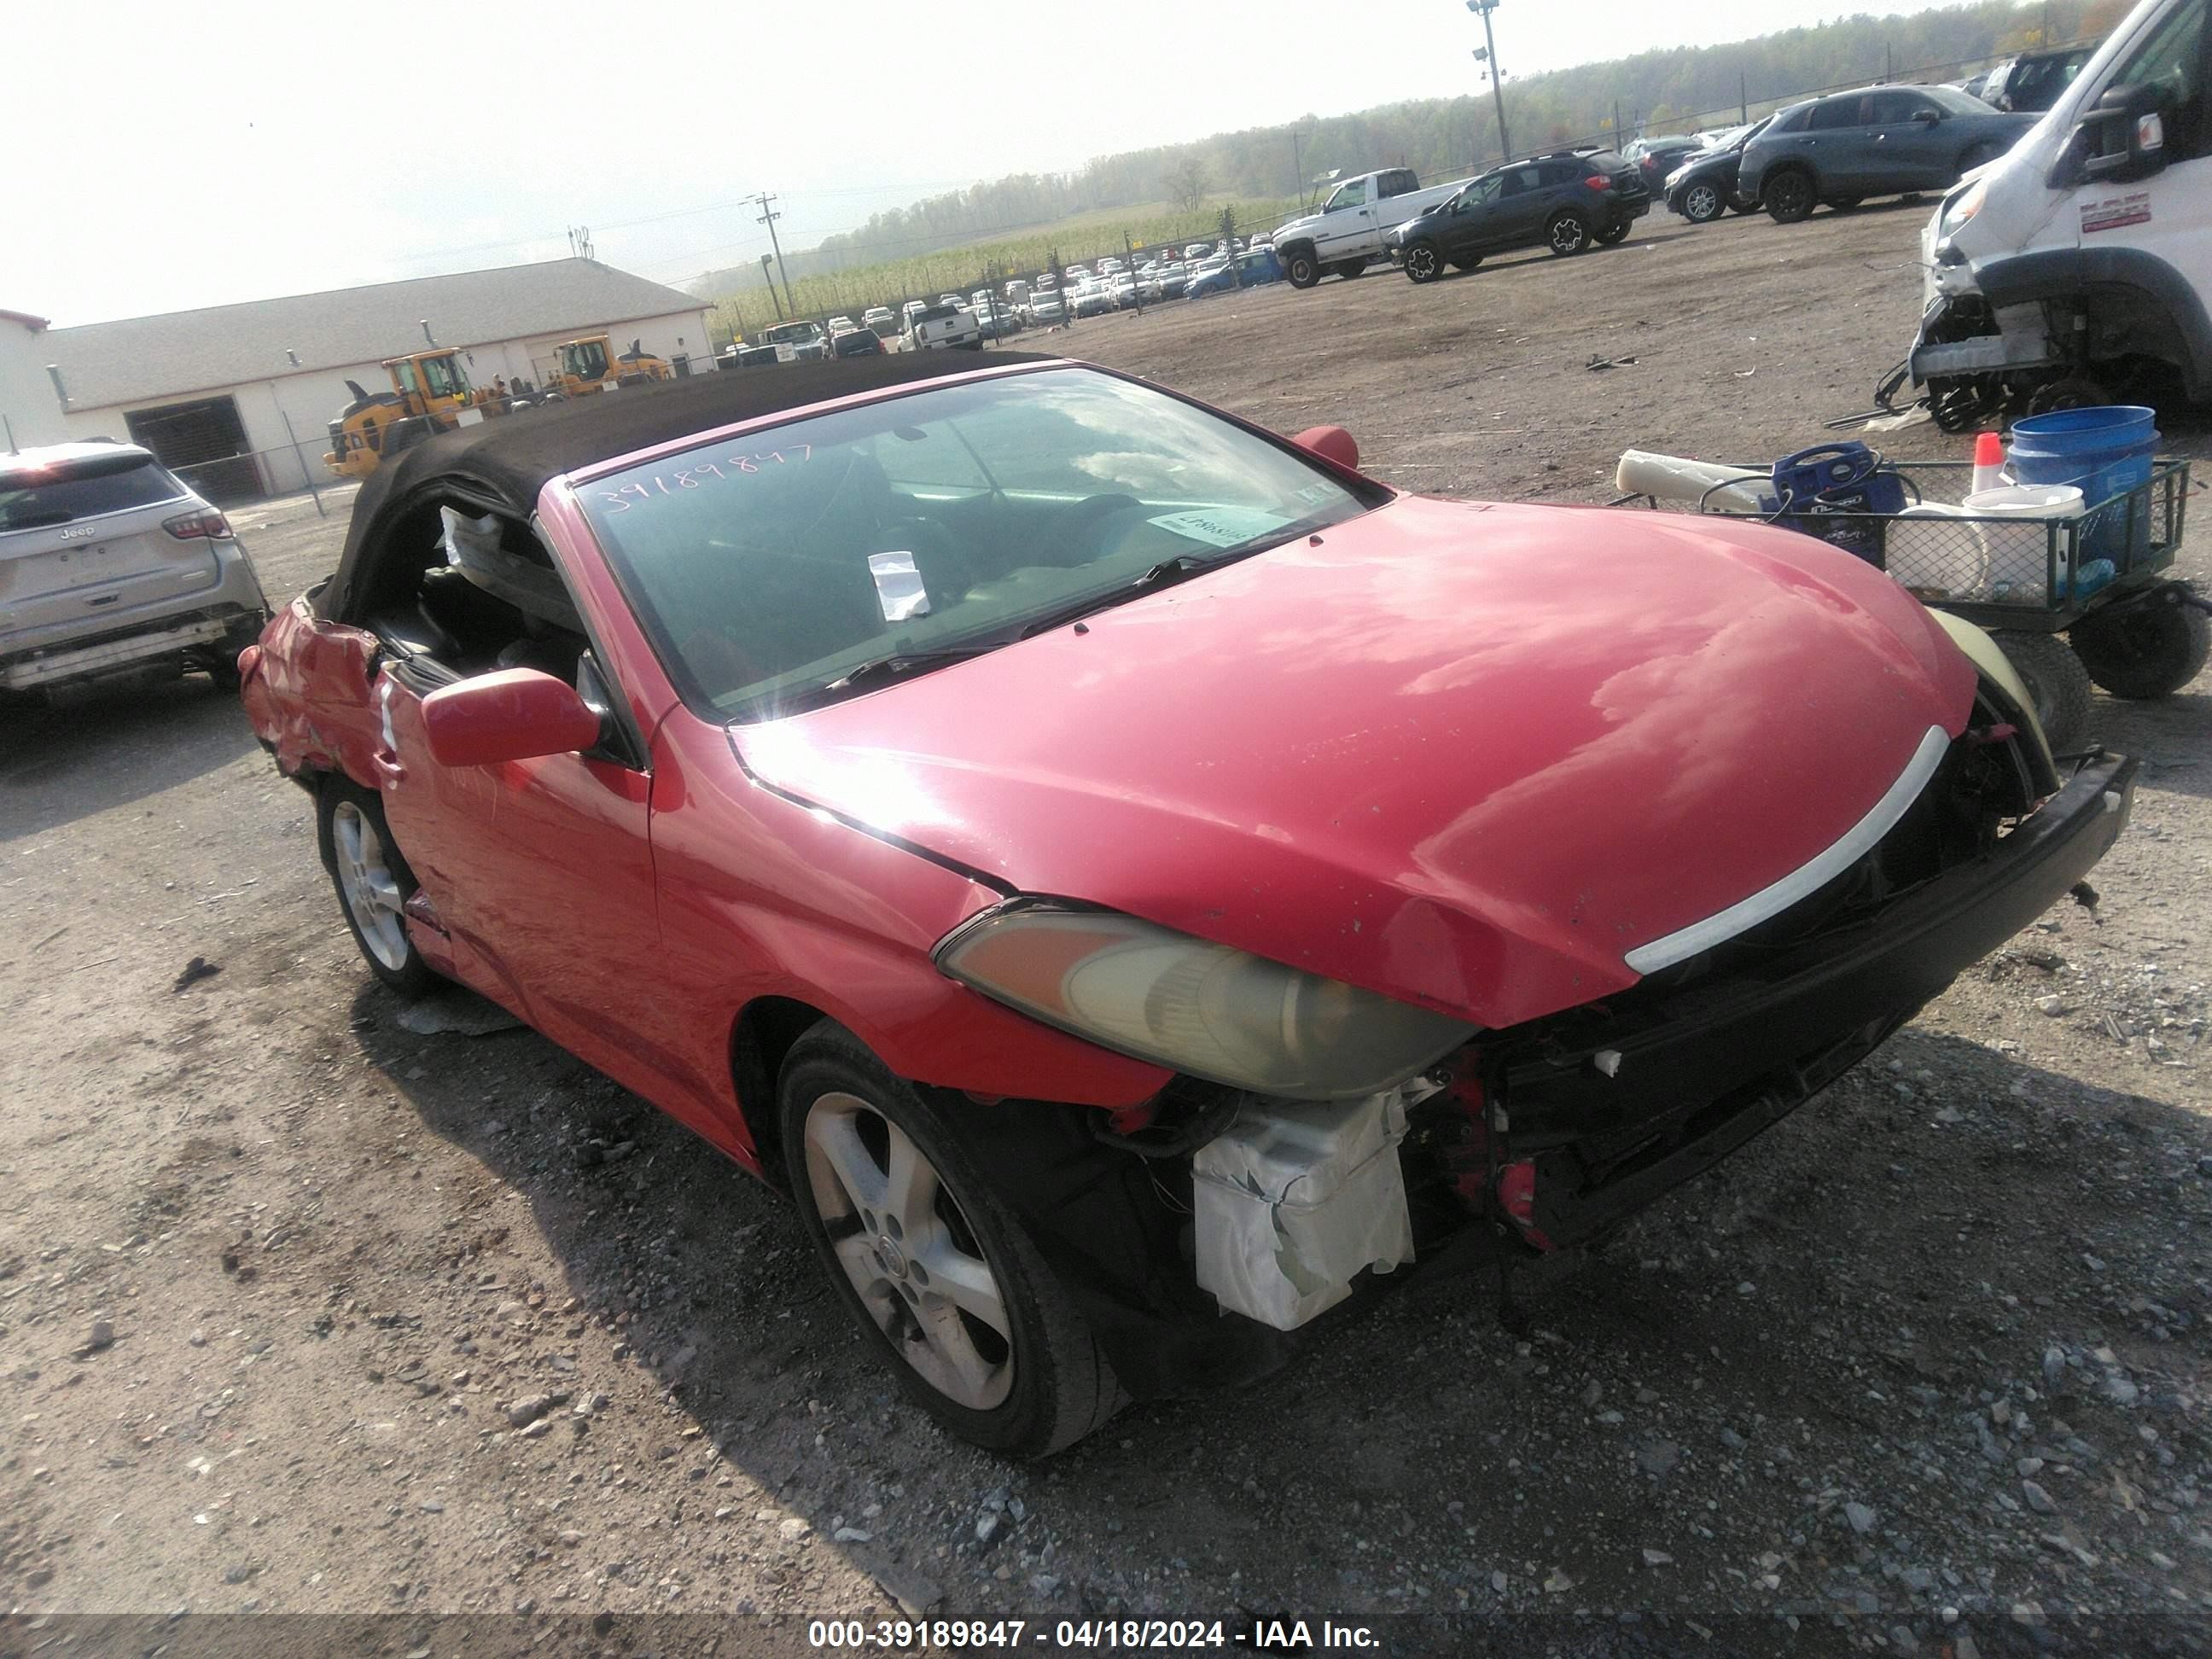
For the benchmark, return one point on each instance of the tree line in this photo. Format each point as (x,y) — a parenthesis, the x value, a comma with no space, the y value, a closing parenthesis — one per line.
(1666,90)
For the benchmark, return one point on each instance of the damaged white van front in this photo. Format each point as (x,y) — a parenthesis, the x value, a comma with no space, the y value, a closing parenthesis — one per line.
(2085,253)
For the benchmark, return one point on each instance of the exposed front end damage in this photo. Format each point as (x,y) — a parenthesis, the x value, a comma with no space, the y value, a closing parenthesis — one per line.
(2031,330)
(1206,1229)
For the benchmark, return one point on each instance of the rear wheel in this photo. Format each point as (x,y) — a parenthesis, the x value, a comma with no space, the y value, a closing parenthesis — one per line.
(1845,203)
(1467,262)
(1702,204)
(936,1267)
(2074,392)
(1423,262)
(1300,267)
(2149,649)
(2058,685)
(1611,236)
(1789,195)
(1567,235)
(372,881)
(1349,269)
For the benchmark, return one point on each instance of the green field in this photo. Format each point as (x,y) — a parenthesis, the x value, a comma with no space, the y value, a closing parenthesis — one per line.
(746,308)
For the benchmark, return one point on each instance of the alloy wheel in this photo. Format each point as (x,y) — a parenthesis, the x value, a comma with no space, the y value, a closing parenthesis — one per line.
(1569,234)
(1702,203)
(371,890)
(1422,264)
(902,1238)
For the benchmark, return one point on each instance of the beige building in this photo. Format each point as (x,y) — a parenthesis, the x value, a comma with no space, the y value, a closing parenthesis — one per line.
(238,399)
(30,409)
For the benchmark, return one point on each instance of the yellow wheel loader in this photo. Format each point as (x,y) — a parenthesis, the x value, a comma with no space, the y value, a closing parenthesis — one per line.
(581,366)
(430,393)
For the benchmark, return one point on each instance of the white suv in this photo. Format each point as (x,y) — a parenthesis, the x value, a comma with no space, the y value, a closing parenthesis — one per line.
(112,569)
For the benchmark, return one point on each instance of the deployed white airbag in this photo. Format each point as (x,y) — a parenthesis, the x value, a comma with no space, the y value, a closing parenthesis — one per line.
(1295,1199)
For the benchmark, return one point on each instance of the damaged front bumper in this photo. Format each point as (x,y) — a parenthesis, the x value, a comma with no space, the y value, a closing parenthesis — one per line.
(1615,1112)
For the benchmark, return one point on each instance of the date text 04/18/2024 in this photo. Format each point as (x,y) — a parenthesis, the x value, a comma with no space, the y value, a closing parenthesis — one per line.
(1259,1636)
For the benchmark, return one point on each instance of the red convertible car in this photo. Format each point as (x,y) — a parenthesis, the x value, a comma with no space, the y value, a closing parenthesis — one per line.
(1135,880)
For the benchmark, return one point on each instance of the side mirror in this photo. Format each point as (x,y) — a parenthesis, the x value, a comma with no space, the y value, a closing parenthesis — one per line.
(517,713)
(2122,137)
(1928,117)
(1331,443)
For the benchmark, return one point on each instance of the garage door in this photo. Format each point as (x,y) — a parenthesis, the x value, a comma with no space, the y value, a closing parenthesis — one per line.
(203,443)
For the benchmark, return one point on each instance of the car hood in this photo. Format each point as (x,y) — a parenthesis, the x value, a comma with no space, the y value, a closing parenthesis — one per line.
(1465,755)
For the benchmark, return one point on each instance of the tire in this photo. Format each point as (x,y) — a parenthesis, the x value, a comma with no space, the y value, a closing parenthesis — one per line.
(372,882)
(1844,203)
(1030,1384)
(2149,649)
(1744,205)
(1703,203)
(2057,683)
(1300,267)
(1613,234)
(1423,263)
(1467,262)
(2073,391)
(1568,234)
(1349,269)
(1789,196)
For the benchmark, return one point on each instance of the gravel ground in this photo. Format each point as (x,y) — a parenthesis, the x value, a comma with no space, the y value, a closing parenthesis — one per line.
(309,1306)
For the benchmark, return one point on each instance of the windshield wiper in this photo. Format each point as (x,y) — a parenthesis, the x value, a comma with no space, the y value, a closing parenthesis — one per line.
(900,664)
(1168,572)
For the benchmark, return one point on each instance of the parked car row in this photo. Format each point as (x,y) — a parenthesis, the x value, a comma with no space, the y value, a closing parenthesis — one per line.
(1849,146)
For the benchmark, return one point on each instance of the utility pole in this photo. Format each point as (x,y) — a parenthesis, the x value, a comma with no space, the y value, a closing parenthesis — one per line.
(1297,168)
(769,217)
(768,277)
(1743,95)
(1482,9)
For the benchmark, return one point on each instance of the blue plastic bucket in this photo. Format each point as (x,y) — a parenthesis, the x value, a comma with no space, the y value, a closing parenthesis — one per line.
(2102,452)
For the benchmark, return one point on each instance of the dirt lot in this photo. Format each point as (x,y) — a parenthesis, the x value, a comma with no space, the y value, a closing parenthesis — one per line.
(1927,1365)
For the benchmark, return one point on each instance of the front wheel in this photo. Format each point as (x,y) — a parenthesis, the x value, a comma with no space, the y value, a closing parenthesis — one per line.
(2149,649)
(1302,269)
(1567,235)
(2058,685)
(372,881)
(1702,204)
(1423,262)
(936,1267)
(1789,196)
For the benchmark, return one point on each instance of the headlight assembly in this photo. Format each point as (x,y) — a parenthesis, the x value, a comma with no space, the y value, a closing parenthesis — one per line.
(1958,211)
(1199,1008)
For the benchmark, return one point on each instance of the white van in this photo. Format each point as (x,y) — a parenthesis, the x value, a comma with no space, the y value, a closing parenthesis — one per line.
(2089,241)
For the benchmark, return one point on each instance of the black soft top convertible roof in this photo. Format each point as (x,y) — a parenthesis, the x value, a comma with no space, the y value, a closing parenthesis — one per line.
(506,461)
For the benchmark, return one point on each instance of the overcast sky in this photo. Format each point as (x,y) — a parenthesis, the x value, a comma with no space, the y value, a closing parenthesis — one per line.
(169,157)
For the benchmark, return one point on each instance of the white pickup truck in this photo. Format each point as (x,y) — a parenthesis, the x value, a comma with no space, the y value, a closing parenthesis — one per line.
(1353,225)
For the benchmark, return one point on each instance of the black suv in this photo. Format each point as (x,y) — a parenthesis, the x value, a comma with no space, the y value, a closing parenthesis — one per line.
(1563,201)
(2032,82)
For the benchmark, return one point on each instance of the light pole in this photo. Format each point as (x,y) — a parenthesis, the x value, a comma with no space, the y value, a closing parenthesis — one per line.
(1482,9)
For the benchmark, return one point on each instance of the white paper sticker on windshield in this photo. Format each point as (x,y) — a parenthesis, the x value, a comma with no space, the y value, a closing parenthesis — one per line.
(1220,526)
(898,586)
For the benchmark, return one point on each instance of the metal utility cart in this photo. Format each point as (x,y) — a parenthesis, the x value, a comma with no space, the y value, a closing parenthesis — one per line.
(2071,600)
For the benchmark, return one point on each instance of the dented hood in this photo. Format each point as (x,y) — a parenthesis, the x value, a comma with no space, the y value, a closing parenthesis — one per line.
(1465,755)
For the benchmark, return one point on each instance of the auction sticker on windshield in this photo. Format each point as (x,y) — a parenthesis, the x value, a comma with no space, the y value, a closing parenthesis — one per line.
(1220,526)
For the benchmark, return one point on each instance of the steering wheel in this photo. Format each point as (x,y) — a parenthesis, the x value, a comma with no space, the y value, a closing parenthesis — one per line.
(1098,524)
